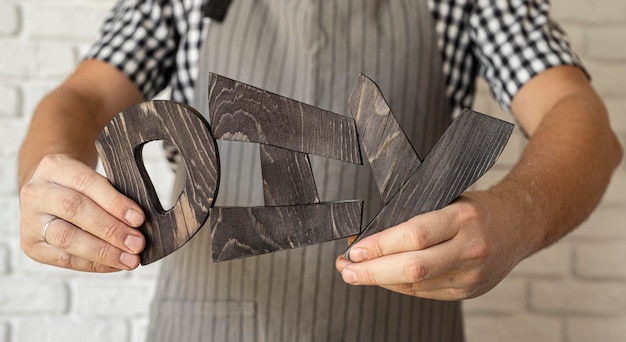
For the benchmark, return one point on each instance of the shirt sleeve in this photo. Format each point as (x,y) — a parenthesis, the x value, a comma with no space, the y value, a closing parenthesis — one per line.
(140,39)
(514,41)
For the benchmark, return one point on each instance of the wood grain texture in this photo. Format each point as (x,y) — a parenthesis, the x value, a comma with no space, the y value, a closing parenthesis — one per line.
(242,232)
(287,131)
(241,112)
(468,148)
(119,146)
(287,177)
(389,152)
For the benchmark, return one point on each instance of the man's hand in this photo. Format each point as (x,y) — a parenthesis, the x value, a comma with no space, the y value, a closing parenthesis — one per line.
(467,248)
(90,226)
(458,252)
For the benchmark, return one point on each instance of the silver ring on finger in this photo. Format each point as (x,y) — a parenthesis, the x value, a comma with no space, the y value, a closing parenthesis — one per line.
(45,229)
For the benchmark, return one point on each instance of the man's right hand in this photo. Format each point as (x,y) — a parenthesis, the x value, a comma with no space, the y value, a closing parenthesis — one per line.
(90,225)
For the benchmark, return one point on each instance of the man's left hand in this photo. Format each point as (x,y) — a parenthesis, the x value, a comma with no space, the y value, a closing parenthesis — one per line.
(458,252)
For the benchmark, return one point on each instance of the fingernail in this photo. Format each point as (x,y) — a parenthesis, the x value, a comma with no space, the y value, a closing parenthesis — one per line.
(358,254)
(134,243)
(349,276)
(130,260)
(134,217)
(342,263)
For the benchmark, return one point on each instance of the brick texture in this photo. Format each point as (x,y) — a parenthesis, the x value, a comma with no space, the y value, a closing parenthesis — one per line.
(617,108)
(8,175)
(607,43)
(615,194)
(601,260)
(588,12)
(592,329)
(71,329)
(509,297)
(4,259)
(32,296)
(552,262)
(12,134)
(45,60)
(4,332)
(489,328)
(607,77)
(573,291)
(578,297)
(9,216)
(51,20)
(9,19)
(97,298)
(139,328)
(10,98)
(605,224)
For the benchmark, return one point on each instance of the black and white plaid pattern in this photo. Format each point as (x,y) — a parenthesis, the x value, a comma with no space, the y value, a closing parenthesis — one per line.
(157,43)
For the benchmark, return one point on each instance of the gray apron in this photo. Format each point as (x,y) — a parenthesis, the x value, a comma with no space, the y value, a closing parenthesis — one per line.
(311,51)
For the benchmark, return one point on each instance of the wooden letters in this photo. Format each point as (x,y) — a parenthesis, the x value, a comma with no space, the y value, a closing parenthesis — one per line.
(468,148)
(119,146)
(288,130)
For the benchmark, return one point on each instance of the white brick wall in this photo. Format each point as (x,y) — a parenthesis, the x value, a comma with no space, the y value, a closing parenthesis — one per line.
(573,291)
(28,296)
(71,328)
(49,21)
(121,298)
(517,327)
(4,259)
(9,19)
(575,296)
(592,329)
(4,332)
(9,101)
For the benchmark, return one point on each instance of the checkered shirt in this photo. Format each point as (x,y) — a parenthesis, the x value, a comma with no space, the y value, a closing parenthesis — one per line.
(157,43)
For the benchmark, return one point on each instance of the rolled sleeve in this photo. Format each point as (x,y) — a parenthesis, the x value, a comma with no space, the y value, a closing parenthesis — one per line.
(140,39)
(514,41)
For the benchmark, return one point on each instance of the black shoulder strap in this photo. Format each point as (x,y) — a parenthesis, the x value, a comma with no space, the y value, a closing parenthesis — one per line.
(216,9)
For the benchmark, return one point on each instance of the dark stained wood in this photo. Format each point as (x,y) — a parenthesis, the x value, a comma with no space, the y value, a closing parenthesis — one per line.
(287,130)
(119,146)
(242,232)
(466,151)
(389,152)
(287,177)
(241,112)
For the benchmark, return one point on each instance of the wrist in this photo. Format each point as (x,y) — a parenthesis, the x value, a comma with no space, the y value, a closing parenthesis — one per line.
(518,212)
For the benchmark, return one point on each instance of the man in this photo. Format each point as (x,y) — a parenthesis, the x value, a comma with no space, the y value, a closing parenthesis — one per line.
(424,56)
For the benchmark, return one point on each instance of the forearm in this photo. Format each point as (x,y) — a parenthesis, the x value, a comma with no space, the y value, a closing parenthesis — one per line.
(62,123)
(563,172)
(69,119)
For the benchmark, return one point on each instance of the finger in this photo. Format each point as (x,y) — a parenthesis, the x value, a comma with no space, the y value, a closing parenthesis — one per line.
(75,175)
(402,268)
(418,233)
(454,285)
(341,262)
(82,212)
(50,255)
(432,291)
(79,243)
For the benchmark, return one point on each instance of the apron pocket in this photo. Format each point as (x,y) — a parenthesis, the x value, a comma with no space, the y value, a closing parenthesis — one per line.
(219,320)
